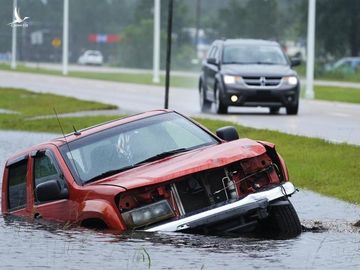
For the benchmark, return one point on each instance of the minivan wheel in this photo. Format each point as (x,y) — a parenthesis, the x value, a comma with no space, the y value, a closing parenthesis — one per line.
(292,109)
(220,107)
(283,222)
(205,105)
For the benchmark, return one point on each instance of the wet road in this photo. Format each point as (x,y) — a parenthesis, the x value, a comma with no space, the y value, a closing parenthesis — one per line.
(25,244)
(333,121)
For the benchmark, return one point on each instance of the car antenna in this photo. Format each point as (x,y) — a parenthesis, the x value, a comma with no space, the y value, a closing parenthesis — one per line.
(76,133)
(67,144)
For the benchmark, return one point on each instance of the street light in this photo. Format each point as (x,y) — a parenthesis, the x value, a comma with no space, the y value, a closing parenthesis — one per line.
(156,53)
(168,53)
(309,93)
(13,41)
(65,46)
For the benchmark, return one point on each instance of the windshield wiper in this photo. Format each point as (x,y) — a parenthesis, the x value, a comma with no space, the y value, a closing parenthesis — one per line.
(235,62)
(163,155)
(153,158)
(108,173)
(265,63)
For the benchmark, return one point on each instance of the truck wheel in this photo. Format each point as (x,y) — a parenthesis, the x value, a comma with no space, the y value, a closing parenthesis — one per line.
(283,222)
(220,107)
(205,104)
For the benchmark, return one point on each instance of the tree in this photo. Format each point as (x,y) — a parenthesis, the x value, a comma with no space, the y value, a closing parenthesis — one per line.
(136,48)
(251,19)
(338,26)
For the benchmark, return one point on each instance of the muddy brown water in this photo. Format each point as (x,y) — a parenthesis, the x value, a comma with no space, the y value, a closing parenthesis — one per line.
(330,241)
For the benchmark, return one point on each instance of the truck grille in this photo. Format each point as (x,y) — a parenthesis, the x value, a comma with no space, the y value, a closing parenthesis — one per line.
(262,81)
(210,188)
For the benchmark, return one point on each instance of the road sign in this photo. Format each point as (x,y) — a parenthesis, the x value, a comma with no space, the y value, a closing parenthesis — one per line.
(36,38)
(56,42)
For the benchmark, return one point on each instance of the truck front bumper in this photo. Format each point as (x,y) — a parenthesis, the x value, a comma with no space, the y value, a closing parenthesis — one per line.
(232,217)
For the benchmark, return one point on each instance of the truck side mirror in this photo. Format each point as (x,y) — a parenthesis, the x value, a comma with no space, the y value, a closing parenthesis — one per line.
(228,133)
(50,191)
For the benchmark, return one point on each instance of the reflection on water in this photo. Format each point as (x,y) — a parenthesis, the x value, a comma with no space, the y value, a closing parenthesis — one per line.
(330,242)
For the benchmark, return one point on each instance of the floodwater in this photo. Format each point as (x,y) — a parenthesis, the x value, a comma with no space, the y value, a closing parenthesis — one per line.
(329,241)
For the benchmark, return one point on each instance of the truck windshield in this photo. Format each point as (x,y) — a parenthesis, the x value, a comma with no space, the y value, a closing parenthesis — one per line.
(132,144)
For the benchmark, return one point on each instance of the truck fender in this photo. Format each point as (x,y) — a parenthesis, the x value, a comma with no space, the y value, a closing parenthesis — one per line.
(103,210)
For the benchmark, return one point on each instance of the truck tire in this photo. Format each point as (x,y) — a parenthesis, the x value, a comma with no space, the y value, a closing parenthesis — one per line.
(282,223)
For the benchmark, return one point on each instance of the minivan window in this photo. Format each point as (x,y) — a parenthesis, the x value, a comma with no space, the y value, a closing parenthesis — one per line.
(253,54)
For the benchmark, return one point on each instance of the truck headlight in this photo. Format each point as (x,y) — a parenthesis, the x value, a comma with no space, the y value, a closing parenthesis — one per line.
(291,80)
(228,79)
(148,214)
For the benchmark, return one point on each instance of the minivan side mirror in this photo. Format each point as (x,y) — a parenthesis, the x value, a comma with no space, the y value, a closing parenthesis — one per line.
(228,133)
(50,190)
(212,61)
(295,61)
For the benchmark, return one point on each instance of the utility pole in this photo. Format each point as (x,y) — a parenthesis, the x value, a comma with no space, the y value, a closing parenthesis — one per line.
(13,41)
(197,23)
(168,53)
(156,52)
(309,93)
(65,41)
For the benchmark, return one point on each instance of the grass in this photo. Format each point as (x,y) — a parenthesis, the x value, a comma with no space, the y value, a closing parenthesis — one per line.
(51,125)
(337,94)
(324,167)
(27,104)
(35,104)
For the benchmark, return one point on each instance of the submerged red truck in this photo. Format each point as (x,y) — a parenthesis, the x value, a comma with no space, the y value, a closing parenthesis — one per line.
(155,171)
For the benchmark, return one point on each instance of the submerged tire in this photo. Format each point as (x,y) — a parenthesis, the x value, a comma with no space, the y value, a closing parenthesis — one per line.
(283,222)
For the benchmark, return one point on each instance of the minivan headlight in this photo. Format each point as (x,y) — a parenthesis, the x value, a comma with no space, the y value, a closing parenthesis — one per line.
(291,80)
(228,79)
(148,214)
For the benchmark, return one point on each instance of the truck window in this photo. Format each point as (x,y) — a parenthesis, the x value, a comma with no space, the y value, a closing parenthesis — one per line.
(17,185)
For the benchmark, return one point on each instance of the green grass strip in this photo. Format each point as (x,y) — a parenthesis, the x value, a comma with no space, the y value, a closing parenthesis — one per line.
(337,94)
(35,104)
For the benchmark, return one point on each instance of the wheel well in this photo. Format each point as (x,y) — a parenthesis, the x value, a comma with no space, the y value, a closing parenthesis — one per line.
(94,223)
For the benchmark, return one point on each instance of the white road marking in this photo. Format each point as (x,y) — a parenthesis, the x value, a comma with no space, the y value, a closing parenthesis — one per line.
(339,114)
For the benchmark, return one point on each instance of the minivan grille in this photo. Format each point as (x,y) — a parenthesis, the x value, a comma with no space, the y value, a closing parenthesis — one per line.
(262,81)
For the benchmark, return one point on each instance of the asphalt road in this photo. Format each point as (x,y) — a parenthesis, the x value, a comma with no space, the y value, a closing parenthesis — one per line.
(333,121)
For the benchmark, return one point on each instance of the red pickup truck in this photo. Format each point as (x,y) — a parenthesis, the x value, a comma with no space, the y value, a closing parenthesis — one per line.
(155,171)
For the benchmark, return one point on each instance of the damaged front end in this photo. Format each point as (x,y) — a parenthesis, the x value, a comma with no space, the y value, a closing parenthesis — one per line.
(243,196)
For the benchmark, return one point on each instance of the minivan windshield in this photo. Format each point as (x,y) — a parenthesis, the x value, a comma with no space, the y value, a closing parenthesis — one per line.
(253,54)
(129,145)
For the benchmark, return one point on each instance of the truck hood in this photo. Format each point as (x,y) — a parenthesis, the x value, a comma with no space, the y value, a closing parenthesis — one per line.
(257,70)
(184,164)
